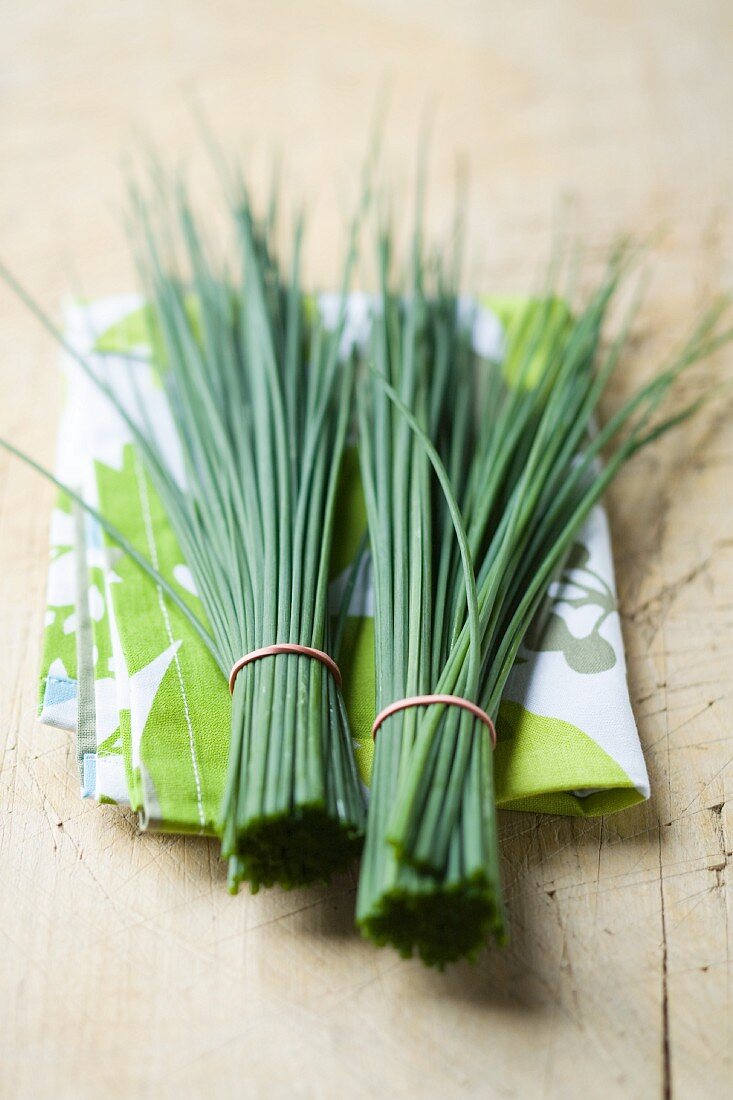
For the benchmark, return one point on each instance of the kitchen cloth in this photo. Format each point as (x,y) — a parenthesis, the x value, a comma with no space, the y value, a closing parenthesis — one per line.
(124,668)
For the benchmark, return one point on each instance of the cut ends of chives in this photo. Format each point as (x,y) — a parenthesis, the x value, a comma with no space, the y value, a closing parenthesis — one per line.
(293,811)
(438,923)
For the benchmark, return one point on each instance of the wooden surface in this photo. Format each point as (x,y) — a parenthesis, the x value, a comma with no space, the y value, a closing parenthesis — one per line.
(125,968)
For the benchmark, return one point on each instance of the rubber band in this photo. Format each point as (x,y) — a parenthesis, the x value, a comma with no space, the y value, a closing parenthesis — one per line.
(428,700)
(284,647)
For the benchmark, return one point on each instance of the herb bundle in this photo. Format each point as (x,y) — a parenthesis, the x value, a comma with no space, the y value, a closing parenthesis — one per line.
(463,562)
(260,397)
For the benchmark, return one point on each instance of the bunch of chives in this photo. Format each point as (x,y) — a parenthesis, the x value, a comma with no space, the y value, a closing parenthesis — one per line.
(259,396)
(462,567)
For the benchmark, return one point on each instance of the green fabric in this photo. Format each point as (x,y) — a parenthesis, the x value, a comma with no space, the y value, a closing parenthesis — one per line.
(172,734)
(569,756)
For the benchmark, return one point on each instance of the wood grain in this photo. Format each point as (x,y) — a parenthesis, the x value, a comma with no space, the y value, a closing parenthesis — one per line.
(125,968)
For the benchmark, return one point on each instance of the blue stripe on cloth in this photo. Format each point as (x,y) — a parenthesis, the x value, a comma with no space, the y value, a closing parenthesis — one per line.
(59,689)
(89,782)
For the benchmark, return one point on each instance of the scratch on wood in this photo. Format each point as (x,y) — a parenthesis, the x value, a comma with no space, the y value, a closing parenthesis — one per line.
(666,1053)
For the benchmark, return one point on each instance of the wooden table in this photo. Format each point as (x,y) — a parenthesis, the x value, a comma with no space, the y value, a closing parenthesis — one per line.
(125,968)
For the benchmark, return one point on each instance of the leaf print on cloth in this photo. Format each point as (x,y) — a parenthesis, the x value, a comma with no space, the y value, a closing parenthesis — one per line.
(138,333)
(579,587)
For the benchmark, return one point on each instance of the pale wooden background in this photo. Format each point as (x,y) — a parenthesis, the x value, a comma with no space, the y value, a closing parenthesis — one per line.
(125,969)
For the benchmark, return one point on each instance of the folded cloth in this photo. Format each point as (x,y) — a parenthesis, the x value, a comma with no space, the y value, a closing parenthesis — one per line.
(124,668)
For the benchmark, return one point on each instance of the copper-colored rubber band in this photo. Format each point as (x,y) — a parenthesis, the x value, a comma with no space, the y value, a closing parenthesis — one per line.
(284,647)
(428,700)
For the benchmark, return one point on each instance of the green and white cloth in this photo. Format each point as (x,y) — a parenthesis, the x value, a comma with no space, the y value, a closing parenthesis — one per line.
(125,669)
